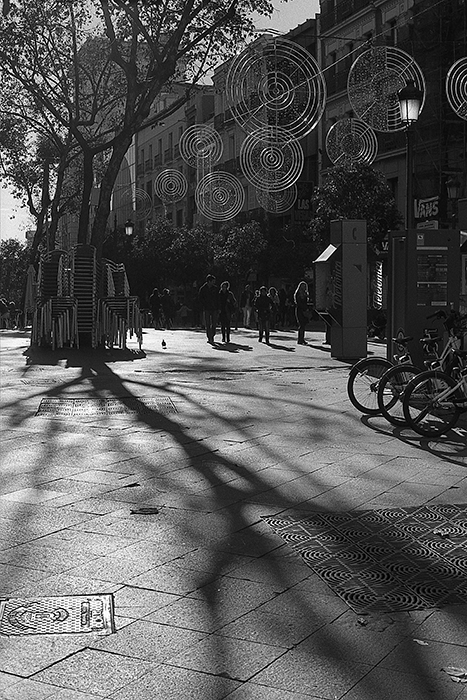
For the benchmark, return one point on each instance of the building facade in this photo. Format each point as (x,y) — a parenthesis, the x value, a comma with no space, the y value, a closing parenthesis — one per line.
(435,34)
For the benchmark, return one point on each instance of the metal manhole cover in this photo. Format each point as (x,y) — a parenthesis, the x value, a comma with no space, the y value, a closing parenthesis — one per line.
(104,407)
(75,614)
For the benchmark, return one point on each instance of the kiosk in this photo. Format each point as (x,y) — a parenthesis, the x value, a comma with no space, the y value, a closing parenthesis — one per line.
(424,277)
(341,288)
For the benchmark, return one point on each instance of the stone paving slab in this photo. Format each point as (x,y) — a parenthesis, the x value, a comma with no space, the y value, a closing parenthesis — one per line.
(257,432)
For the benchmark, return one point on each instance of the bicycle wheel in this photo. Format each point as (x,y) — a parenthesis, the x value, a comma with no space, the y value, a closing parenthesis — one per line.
(424,411)
(391,392)
(362,385)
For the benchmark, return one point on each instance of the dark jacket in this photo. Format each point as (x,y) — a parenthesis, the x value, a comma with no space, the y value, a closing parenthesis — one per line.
(227,303)
(209,297)
(264,306)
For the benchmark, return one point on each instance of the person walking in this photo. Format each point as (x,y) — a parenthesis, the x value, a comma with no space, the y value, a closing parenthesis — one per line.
(168,308)
(227,307)
(274,296)
(209,302)
(302,300)
(263,307)
(155,306)
(246,304)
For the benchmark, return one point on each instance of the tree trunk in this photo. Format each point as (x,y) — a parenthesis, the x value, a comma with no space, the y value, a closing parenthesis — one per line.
(106,187)
(88,181)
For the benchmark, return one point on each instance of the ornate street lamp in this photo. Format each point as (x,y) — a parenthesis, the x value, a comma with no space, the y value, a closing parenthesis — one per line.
(129,227)
(453,190)
(410,102)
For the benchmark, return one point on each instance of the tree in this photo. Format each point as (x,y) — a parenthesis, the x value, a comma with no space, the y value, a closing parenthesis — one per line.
(96,67)
(13,269)
(239,249)
(354,192)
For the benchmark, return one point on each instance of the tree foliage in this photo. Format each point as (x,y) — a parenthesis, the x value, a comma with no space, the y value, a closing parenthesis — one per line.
(13,269)
(89,72)
(239,248)
(354,192)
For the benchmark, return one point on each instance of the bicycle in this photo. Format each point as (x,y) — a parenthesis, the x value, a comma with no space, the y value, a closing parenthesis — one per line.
(394,381)
(434,401)
(366,374)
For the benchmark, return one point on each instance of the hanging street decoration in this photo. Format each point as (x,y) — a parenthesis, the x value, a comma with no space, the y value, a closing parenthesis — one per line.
(219,196)
(269,163)
(276,83)
(201,146)
(170,186)
(456,87)
(374,80)
(277,202)
(350,141)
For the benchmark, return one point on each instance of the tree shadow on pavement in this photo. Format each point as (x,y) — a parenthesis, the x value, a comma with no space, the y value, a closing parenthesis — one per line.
(190,465)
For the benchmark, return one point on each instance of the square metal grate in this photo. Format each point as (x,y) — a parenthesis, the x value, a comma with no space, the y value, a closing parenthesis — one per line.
(385,560)
(104,407)
(75,614)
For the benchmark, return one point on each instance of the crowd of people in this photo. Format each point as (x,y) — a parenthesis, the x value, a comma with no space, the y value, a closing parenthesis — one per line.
(266,309)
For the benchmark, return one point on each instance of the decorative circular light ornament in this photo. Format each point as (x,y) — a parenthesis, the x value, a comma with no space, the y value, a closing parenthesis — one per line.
(269,163)
(277,202)
(278,83)
(374,80)
(139,201)
(219,196)
(351,141)
(456,87)
(170,186)
(201,145)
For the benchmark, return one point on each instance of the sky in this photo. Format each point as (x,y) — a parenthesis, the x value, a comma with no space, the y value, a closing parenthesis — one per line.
(14,221)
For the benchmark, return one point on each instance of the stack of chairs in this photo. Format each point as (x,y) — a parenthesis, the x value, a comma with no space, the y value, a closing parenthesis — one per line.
(82,302)
(84,288)
(55,314)
(118,312)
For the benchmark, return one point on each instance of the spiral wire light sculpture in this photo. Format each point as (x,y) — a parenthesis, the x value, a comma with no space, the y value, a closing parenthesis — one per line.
(277,202)
(170,186)
(374,80)
(269,163)
(276,83)
(219,196)
(456,87)
(201,146)
(350,141)
(139,201)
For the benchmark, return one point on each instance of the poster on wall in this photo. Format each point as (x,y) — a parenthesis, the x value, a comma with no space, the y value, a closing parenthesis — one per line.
(432,278)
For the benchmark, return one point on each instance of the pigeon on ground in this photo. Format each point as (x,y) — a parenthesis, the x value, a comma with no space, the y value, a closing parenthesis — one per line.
(164,344)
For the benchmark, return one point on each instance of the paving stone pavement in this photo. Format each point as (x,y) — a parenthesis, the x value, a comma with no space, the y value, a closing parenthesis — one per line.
(209,602)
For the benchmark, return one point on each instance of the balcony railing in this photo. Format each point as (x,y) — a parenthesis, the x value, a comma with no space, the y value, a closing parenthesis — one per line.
(168,154)
(148,165)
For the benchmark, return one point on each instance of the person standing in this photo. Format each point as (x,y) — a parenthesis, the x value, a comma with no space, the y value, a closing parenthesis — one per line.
(275,307)
(209,302)
(264,308)
(302,300)
(246,303)
(155,306)
(227,306)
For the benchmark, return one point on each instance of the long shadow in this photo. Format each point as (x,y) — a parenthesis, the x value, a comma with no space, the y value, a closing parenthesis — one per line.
(230,498)
(451,447)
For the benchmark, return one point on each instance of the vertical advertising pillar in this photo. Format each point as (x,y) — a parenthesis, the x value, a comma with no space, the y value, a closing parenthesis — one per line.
(341,288)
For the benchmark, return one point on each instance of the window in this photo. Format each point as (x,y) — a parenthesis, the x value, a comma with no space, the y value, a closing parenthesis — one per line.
(391,37)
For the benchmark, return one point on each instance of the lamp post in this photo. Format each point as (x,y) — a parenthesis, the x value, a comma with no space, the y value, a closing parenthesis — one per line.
(410,102)
(129,227)
(453,189)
